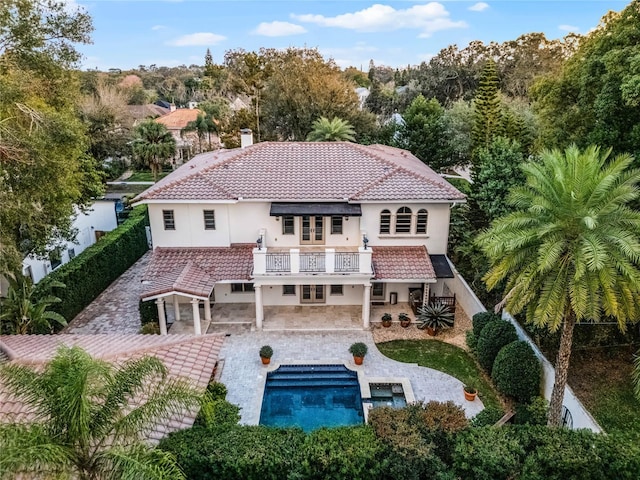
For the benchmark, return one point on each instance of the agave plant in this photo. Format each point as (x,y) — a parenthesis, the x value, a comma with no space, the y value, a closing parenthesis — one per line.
(435,316)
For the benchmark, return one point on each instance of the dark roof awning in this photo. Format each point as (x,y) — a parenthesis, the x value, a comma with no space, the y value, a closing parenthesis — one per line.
(325,209)
(441,266)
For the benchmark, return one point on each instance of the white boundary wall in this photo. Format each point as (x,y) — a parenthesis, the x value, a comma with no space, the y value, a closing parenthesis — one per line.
(469,302)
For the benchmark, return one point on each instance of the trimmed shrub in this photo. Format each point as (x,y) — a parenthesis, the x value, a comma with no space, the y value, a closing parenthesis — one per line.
(217,390)
(93,270)
(472,340)
(533,413)
(215,413)
(494,336)
(148,312)
(480,320)
(487,453)
(150,329)
(517,371)
(409,455)
(342,453)
(236,452)
(487,417)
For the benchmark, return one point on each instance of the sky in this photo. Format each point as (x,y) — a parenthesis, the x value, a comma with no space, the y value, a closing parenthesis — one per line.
(351,32)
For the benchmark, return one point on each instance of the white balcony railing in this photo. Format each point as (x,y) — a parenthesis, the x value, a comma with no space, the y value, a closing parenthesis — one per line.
(294,261)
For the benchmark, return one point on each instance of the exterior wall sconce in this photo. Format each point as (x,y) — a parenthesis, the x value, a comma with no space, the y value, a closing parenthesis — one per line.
(259,242)
(277,219)
(365,241)
(346,219)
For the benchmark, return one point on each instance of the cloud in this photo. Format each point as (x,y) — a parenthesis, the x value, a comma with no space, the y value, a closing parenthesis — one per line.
(479,7)
(428,18)
(278,29)
(158,27)
(569,28)
(197,39)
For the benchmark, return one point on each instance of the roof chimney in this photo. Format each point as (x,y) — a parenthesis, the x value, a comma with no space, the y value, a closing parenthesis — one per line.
(246,137)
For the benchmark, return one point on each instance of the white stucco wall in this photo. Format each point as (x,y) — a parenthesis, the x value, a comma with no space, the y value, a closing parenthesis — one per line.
(241,222)
(100,217)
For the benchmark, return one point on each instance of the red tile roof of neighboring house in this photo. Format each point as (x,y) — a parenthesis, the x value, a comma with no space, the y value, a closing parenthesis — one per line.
(178,119)
(185,356)
(195,270)
(304,171)
(402,263)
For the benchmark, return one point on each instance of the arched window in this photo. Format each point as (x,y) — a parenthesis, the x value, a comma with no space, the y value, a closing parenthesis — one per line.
(385,221)
(403,220)
(421,222)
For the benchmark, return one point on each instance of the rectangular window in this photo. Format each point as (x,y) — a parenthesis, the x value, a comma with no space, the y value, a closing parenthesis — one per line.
(377,290)
(336,225)
(241,287)
(288,290)
(72,253)
(167,218)
(209,219)
(337,289)
(55,257)
(287,225)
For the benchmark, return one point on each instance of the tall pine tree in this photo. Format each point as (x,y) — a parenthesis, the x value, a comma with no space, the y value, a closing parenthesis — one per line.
(487,118)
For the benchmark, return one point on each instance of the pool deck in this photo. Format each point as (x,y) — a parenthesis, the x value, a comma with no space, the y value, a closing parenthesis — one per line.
(244,375)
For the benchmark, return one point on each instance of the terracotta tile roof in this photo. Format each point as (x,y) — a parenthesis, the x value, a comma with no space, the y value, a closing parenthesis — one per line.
(329,171)
(402,263)
(186,356)
(179,118)
(194,270)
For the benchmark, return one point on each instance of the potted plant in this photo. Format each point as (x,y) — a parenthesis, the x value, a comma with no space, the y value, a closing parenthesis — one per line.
(358,350)
(470,393)
(266,352)
(386,320)
(405,321)
(434,317)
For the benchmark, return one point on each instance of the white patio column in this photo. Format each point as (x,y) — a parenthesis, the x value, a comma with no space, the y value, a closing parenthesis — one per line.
(366,306)
(207,310)
(162,318)
(195,303)
(176,308)
(259,307)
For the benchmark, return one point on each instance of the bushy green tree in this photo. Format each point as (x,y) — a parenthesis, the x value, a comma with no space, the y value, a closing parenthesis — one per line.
(423,133)
(487,116)
(153,145)
(571,251)
(85,425)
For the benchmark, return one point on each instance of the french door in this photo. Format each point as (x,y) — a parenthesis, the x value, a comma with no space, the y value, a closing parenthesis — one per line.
(312,294)
(311,230)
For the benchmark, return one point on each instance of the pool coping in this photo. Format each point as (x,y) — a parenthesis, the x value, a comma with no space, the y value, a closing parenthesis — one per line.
(363,381)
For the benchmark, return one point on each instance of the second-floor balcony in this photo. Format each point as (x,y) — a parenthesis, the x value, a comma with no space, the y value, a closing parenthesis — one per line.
(312,261)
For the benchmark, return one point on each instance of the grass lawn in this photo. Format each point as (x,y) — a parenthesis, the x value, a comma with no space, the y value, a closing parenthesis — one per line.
(602,380)
(446,358)
(145,176)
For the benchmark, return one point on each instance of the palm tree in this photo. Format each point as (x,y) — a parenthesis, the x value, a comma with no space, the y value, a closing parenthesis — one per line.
(570,253)
(22,313)
(153,144)
(85,424)
(336,130)
(203,125)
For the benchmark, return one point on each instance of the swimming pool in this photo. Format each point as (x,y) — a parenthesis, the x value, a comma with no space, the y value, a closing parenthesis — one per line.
(311,396)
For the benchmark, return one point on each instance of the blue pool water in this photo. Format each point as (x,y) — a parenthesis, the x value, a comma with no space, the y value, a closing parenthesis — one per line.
(311,396)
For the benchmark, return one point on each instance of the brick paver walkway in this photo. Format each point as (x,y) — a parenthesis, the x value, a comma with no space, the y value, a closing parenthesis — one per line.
(116,309)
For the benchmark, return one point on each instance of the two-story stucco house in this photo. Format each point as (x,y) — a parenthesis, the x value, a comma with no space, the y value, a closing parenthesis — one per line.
(298,224)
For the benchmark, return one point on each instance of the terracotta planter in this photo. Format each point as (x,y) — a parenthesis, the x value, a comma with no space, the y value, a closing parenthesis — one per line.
(470,396)
(405,323)
(265,361)
(358,360)
(386,323)
(431,331)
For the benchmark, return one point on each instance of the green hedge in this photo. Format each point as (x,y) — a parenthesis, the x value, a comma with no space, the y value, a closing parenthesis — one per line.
(481,319)
(517,371)
(493,337)
(93,270)
(236,452)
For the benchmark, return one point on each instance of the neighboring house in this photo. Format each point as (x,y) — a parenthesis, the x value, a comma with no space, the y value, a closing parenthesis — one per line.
(188,142)
(184,356)
(90,226)
(298,224)
(143,112)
